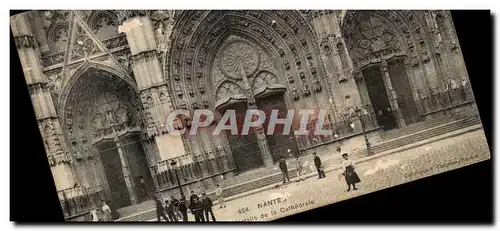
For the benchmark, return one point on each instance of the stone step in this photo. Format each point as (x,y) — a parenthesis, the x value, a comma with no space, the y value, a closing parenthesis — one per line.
(452,126)
(253,174)
(273,175)
(389,135)
(129,210)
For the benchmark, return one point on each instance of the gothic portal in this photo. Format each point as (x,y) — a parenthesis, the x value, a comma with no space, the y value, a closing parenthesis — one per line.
(103,82)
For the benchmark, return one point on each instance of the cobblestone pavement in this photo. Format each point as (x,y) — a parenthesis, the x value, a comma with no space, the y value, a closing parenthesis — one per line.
(377,174)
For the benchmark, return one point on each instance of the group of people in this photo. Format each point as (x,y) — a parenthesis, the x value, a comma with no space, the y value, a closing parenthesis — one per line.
(350,175)
(456,91)
(101,214)
(177,210)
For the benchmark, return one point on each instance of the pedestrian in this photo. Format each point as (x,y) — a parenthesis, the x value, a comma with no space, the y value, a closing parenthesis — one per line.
(175,205)
(197,209)
(463,90)
(454,90)
(351,177)
(183,209)
(169,210)
(319,166)
(192,197)
(299,169)
(284,170)
(107,212)
(220,196)
(159,210)
(207,207)
(93,214)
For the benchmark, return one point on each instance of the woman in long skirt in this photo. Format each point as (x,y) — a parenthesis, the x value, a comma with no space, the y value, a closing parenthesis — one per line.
(107,212)
(351,177)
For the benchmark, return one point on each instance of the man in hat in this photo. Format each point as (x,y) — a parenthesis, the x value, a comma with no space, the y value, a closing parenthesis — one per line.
(284,170)
(319,166)
(183,209)
(197,209)
(193,196)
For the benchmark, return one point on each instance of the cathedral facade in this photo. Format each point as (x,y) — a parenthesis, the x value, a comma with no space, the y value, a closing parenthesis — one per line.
(103,82)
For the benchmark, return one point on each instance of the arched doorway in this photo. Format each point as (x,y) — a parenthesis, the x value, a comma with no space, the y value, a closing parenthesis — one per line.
(103,122)
(378,48)
(218,57)
(279,142)
(245,148)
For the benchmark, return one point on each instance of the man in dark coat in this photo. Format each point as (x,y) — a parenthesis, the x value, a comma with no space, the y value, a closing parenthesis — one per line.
(319,167)
(183,209)
(192,197)
(197,210)
(159,210)
(169,210)
(207,207)
(284,170)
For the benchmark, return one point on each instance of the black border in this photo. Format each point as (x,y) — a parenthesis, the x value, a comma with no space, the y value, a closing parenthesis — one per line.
(460,196)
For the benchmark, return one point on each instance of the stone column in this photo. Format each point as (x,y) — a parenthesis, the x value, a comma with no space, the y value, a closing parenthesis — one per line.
(154,93)
(391,93)
(48,120)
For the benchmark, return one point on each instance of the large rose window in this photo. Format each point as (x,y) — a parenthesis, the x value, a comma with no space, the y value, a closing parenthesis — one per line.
(238,59)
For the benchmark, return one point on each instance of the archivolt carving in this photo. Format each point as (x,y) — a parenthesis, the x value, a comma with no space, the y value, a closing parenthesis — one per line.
(197,36)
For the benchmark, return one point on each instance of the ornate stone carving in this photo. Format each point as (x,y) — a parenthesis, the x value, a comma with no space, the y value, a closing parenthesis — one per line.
(115,42)
(383,66)
(302,75)
(25,41)
(228,89)
(163,93)
(316,85)
(295,94)
(53,59)
(54,83)
(372,37)
(237,57)
(83,46)
(305,89)
(258,82)
(123,15)
(287,65)
(290,78)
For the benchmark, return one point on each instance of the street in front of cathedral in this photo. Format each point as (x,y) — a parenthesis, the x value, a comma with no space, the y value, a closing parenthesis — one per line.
(376,174)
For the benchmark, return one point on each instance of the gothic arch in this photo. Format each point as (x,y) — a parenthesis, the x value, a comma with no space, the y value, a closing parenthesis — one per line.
(197,36)
(407,26)
(95,23)
(88,67)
